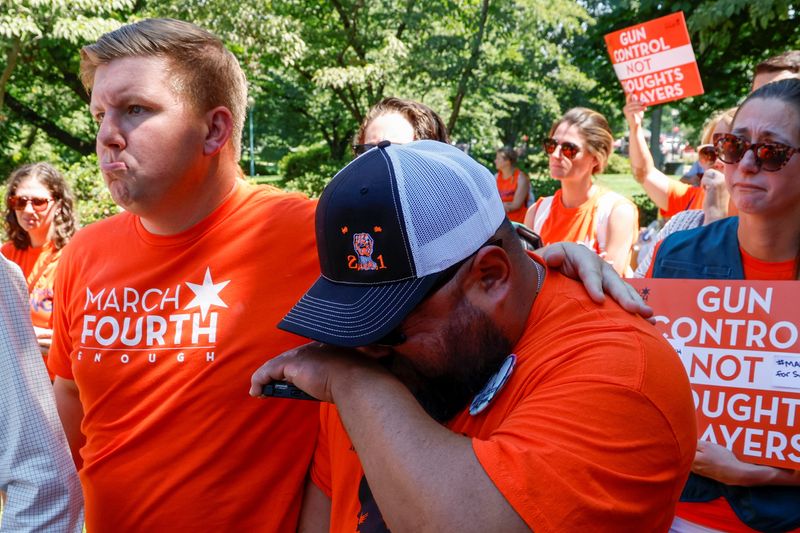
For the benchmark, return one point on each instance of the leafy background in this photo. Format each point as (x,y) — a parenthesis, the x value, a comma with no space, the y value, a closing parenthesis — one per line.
(499,72)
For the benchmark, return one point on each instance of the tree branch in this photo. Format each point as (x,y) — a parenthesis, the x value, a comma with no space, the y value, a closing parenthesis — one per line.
(404,23)
(340,94)
(349,30)
(351,33)
(50,128)
(471,64)
(11,62)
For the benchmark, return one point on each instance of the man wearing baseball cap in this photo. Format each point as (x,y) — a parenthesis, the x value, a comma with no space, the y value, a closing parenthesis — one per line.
(486,392)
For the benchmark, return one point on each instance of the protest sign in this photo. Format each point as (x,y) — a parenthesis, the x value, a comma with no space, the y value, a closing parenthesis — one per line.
(738,341)
(655,61)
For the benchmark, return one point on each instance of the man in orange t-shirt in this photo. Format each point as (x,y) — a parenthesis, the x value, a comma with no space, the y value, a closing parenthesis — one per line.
(163,311)
(480,395)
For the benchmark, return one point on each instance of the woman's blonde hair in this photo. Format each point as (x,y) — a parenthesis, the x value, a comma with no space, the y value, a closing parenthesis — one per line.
(725,117)
(594,129)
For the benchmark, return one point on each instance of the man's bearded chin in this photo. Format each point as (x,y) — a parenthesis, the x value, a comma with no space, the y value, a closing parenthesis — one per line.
(473,351)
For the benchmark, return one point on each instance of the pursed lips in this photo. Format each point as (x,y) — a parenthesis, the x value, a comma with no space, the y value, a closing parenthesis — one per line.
(113,166)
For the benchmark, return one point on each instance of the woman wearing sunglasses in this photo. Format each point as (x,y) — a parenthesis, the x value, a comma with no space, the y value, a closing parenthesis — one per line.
(706,154)
(705,160)
(716,200)
(670,196)
(762,172)
(579,145)
(39,222)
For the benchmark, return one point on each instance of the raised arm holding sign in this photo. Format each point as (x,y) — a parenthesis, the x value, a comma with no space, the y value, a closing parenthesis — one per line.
(655,61)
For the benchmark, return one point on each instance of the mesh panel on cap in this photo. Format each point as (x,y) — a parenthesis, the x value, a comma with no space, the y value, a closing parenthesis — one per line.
(450,203)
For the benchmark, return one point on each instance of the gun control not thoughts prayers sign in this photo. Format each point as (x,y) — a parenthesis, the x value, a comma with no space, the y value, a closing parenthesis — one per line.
(738,341)
(655,61)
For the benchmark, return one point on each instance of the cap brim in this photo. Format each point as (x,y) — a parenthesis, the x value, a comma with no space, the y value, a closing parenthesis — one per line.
(354,315)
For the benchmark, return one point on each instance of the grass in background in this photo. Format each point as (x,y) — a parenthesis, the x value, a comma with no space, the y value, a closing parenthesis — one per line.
(623,184)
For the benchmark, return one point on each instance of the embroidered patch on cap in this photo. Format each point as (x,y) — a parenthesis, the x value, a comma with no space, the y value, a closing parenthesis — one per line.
(364,246)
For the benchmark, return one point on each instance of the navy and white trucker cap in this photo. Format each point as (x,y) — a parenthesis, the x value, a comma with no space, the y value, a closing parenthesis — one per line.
(387,225)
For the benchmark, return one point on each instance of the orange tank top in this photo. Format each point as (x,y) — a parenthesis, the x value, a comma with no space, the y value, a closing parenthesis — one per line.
(507,187)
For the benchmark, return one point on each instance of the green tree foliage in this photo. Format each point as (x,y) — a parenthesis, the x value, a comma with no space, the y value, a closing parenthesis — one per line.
(729,37)
(42,102)
(498,71)
(489,68)
(91,194)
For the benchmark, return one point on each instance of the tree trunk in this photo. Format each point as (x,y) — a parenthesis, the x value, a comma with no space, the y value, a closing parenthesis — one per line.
(466,74)
(655,137)
(12,56)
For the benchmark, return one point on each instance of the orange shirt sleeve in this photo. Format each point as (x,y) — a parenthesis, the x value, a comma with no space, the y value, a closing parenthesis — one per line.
(59,360)
(682,196)
(572,457)
(321,464)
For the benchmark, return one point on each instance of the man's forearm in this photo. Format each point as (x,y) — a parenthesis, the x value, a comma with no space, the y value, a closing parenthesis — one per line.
(410,461)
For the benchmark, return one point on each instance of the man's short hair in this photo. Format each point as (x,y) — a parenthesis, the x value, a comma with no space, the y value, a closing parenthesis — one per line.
(789,60)
(203,70)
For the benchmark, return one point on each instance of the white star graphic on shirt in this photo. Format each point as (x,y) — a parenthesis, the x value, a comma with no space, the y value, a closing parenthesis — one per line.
(207,294)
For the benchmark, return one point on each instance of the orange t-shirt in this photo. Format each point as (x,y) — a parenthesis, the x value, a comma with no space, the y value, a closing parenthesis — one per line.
(39,267)
(161,335)
(507,187)
(577,440)
(681,197)
(718,513)
(581,224)
(40,286)
(24,258)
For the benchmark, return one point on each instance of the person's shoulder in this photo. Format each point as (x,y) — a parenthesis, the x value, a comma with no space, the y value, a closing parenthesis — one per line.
(689,219)
(278,200)
(281,213)
(613,198)
(615,208)
(569,330)
(690,234)
(111,231)
(568,300)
